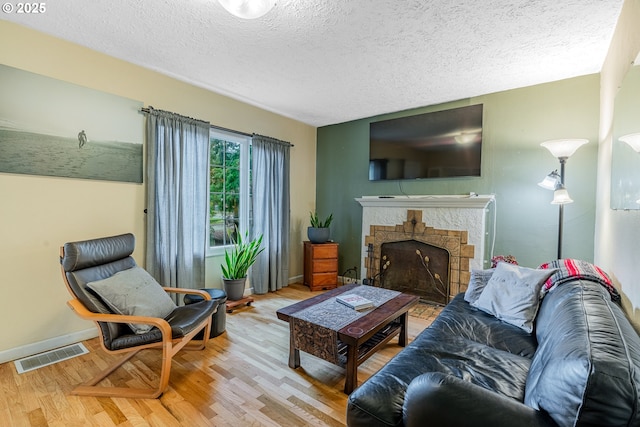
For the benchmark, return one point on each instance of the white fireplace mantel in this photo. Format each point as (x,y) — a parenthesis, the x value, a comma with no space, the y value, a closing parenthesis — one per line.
(447,212)
(436,201)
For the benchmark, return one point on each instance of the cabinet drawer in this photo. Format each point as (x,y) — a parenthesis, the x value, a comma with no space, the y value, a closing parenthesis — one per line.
(325,266)
(320,279)
(325,251)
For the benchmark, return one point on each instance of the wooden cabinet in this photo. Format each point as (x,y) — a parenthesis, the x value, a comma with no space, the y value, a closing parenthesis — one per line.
(320,265)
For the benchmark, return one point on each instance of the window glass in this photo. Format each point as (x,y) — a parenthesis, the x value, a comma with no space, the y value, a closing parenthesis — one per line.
(229,190)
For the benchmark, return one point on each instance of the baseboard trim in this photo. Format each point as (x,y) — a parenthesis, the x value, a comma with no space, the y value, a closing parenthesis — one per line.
(295,279)
(46,345)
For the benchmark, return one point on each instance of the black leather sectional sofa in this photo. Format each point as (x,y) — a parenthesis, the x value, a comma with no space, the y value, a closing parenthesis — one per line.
(579,367)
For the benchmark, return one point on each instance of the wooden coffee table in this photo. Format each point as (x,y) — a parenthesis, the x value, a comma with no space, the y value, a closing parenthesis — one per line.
(364,336)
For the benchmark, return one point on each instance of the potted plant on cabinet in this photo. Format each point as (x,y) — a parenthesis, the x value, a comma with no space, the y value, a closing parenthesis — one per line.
(237,262)
(319,230)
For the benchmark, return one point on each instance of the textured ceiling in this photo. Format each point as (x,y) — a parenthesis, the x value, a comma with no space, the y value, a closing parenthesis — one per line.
(330,61)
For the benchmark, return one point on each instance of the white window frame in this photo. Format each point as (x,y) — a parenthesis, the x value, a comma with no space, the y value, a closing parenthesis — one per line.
(245,168)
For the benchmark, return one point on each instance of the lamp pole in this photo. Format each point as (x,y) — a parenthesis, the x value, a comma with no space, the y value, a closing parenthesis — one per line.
(563,161)
(562,149)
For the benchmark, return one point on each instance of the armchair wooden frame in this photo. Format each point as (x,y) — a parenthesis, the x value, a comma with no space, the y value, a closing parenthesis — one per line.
(169,346)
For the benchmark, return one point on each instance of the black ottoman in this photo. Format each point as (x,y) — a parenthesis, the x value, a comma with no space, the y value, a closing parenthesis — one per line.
(219,318)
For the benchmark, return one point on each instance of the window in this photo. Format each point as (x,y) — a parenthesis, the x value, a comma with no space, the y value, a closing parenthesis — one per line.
(229,189)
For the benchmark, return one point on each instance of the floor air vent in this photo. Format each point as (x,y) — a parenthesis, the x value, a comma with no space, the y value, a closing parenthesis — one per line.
(49,357)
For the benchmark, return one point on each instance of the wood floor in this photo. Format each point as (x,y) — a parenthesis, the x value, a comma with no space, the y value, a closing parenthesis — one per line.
(240,379)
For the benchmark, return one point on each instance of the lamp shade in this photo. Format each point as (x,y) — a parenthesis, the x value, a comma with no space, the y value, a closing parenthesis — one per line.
(633,139)
(248,9)
(563,148)
(550,181)
(561,196)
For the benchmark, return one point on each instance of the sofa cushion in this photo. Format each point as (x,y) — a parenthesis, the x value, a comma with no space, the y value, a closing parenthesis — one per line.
(586,370)
(381,397)
(513,294)
(436,399)
(461,319)
(463,342)
(134,292)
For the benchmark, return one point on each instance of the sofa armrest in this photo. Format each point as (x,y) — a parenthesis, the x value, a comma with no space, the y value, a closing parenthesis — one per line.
(444,400)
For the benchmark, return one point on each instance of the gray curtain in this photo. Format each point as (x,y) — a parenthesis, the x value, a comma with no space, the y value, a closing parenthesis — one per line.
(270,169)
(177,198)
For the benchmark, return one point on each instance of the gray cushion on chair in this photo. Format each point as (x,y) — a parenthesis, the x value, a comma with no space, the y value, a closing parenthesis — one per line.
(134,292)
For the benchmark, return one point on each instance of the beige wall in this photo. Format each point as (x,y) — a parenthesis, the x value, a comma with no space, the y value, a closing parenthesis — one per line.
(617,243)
(38,214)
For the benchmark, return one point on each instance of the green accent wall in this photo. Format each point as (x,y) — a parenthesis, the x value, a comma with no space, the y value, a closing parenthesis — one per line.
(515,122)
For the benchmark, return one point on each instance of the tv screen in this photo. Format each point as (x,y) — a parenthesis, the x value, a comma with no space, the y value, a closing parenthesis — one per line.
(439,144)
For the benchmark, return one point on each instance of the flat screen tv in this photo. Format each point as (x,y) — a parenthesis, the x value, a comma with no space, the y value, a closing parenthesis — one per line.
(440,144)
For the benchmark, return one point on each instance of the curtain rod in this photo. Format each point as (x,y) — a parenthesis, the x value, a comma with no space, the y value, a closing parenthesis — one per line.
(147,111)
(231,130)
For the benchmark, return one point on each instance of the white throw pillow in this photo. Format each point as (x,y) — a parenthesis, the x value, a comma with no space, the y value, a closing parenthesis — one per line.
(512,294)
(477,282)
(134,292)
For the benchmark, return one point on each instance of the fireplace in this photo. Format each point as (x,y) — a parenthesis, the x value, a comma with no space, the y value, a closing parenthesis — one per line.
(415,258)
(399,232)
(416,268)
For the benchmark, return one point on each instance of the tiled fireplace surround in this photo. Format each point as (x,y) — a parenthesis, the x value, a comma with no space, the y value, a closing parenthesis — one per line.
(456,224)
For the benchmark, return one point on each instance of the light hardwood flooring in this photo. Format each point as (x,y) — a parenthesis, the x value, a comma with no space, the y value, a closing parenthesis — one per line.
(240,379)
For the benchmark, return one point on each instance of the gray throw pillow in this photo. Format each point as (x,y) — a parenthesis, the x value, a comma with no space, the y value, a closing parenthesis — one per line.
(134,292)
(477,283)
(513,294)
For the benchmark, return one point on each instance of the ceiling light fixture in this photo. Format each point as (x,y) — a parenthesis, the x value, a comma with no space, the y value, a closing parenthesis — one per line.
(248,9)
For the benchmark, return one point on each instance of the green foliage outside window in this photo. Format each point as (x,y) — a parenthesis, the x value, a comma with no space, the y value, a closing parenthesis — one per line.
(224,190)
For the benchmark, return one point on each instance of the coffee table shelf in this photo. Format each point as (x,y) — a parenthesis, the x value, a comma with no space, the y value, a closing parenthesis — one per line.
(373,344)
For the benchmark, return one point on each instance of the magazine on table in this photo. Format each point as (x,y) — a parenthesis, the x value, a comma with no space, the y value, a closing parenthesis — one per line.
(355,301)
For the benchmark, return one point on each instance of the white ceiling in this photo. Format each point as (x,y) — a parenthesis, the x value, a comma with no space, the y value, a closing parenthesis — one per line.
(329,61)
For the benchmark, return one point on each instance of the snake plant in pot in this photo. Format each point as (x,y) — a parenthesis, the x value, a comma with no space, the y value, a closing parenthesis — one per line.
(237,262)
(319,230)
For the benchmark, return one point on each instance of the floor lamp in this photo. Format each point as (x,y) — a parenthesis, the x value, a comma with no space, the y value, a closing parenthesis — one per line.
(562,149)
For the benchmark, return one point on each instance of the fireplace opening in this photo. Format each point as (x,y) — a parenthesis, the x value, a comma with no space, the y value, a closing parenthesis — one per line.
(417,268)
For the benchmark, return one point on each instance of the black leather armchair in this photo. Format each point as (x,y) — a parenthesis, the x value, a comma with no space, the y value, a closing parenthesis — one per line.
(93,260)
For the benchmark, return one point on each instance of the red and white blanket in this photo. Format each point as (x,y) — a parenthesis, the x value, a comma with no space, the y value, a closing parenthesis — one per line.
(570,269)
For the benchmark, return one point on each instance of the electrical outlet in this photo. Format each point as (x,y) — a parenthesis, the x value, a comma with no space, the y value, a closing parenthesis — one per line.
(348,280)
